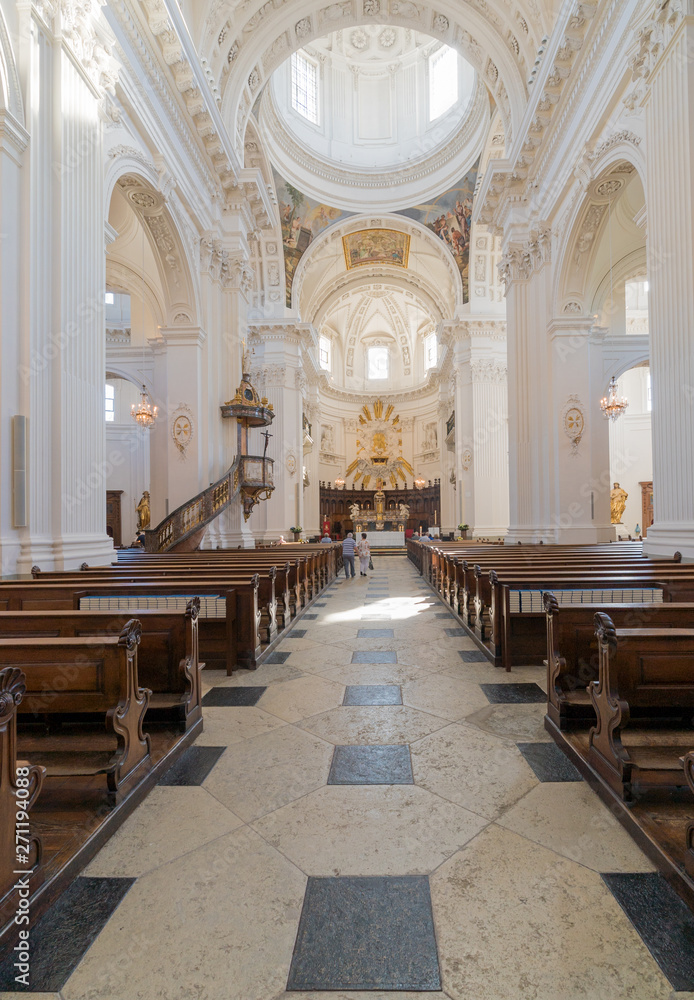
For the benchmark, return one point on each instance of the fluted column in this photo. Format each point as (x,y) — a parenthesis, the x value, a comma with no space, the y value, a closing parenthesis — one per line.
(526,270)
(666,64)
(65,69)
(580,453)
(481,432)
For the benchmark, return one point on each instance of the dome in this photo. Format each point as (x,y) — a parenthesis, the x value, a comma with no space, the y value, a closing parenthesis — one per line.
(374,116)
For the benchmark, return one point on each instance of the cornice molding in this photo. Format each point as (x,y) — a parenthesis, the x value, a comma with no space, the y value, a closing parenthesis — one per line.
(521,260)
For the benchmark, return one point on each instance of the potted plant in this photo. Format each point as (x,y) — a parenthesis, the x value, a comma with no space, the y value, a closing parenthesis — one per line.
(297,532)
(464,530)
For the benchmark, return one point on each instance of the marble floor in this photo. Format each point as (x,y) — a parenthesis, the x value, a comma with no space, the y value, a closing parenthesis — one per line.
(377,812)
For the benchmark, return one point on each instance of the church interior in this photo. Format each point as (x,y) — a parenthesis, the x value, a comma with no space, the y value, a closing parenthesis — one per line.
(347,499)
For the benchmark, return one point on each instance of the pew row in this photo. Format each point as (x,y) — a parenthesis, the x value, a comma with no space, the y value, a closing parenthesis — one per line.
(83,676)
(168,657)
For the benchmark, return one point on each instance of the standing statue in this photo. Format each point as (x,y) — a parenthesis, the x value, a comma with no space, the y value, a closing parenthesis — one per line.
(618,501)
(404,509)
(143,512)
(354,511)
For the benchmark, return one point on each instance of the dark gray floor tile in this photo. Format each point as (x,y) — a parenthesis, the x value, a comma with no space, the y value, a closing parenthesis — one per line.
(444,615)
(501,694)
(663,920)
(226,697)
(458,630)
(472,656)
(373,694)
(296,633)
(548,762)
(277,658)
(374,656)
(320,604)
(375,633)
(65,932)
(309,618)
(372,765)
(193,766)
(366,934)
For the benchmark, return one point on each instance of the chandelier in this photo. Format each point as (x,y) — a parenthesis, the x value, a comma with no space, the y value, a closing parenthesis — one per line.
(144,413)
(339,484)
(420,483)
(612,405)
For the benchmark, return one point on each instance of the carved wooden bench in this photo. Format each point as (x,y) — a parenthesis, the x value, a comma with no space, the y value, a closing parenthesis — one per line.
(646,673)
(168,657)
(82,677)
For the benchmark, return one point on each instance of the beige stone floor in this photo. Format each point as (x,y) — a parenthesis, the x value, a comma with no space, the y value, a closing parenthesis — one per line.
(520,910)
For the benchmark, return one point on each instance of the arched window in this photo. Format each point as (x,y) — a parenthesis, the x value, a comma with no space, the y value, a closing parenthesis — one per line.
(377,363)
(305,87)
(443,81)
(430,352)
(324,352)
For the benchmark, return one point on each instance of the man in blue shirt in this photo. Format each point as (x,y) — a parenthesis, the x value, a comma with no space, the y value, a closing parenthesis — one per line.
(348,547)
(326,538)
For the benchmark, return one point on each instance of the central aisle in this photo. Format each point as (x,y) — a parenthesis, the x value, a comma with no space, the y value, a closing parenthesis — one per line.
(382,778)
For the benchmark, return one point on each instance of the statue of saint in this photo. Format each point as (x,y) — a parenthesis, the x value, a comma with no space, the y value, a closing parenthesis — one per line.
(618,501)
(143,512)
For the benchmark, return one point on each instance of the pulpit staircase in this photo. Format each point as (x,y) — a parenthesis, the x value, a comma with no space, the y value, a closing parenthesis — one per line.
(182,530)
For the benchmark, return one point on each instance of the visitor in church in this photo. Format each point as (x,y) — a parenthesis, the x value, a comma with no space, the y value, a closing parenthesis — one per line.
(348,547)
(364,550)
(326,538)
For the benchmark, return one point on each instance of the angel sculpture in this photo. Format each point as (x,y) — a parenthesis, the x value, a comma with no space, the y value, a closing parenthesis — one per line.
(354,511)
(404,509)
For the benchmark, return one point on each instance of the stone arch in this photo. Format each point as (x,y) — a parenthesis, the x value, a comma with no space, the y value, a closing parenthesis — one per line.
(605,173)
(427,290)
(245,58)
(156,214)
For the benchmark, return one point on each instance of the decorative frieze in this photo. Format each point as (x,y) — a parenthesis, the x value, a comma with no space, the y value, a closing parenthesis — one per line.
(521,260)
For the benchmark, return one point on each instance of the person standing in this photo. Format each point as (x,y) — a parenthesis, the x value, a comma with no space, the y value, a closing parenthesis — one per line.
(364,550)
(348,547)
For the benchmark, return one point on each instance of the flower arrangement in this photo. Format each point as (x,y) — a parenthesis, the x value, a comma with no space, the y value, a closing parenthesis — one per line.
(297,530)
(463,527)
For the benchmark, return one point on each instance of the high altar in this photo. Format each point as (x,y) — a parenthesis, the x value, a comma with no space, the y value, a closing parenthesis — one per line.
(389,524)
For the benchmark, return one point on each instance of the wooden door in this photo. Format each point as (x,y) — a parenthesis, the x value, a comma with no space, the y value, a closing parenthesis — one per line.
(113,516)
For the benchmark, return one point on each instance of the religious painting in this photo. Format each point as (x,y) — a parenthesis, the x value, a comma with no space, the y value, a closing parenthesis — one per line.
(376,246)
(302,220)
(449,217)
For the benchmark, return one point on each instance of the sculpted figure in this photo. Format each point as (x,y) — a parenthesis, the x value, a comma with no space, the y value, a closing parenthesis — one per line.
(618,501)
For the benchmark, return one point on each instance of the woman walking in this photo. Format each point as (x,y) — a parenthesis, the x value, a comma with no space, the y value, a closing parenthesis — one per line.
(364,551)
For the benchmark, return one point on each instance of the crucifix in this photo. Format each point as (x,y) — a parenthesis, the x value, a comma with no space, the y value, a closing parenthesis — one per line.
(267,435)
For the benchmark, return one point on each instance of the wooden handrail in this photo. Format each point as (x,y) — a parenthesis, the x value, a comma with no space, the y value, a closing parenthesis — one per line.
(196,513)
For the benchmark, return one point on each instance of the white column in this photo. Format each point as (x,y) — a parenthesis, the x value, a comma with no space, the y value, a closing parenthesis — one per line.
(63,327)
(580,447)
(187,473)
(669,109)
(526,270)
(13,142)
(481,427)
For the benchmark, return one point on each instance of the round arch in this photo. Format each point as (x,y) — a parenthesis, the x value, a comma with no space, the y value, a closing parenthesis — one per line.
(587,220)
(442,304)
(248,57)
(137,181)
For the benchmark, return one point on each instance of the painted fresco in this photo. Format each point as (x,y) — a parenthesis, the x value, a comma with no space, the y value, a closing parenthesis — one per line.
(302,220)
(376,246)
(449,217)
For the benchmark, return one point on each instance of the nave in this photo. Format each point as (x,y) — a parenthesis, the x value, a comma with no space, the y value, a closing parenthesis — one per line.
(375,812)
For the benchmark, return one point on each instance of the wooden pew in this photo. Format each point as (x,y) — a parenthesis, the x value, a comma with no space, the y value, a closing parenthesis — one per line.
(226,642)
(20,785)
(168,657)
(688,766)
(84,676)
(572,650)
(648,671)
